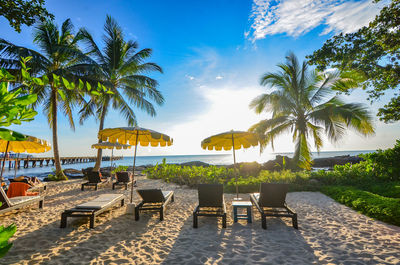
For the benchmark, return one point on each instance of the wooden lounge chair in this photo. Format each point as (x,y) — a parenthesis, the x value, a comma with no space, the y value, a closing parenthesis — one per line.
(93,208)
(211,203)
(153,200)
(123,179)
(94,180)
(9,204)
(271,201)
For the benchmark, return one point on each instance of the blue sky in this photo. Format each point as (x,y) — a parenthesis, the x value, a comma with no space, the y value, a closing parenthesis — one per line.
(213,54)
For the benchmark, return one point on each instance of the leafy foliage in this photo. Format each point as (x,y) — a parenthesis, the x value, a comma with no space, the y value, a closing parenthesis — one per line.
(119,169)
(60,89)
(5,234)
(20,12)
(194,175)
(370,204)
(302,103)
(373,53)
(122,68)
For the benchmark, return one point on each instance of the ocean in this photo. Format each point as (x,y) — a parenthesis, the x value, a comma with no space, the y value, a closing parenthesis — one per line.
(224,159)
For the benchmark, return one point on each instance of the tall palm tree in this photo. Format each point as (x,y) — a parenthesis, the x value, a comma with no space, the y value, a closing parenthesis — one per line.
(58,55)
(302,103)
(121,68)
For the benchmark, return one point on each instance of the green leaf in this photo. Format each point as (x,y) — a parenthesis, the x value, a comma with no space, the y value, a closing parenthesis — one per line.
(94,92)
(66,83)
(62,94)
(10,135)
(81,85)
(88,86)
(45,80)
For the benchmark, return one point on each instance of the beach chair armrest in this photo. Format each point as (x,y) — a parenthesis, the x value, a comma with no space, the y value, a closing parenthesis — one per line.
(255,202)
(196,209)
(223,205)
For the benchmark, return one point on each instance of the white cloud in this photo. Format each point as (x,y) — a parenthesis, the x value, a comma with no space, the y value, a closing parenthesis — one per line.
(219,77)
(297,17)
(189,77)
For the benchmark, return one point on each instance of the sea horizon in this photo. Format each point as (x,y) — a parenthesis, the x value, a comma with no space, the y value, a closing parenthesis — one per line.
(213,159)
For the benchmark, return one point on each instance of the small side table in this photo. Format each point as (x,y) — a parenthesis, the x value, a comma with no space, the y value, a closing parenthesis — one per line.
(242,204)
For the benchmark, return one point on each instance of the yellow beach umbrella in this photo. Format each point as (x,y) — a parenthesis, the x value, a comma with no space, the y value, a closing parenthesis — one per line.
(108,145)
(21,143)
(230,140)
(135,136)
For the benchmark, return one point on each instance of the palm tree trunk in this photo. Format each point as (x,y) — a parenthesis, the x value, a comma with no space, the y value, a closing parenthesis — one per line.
(57,162)
(101,127)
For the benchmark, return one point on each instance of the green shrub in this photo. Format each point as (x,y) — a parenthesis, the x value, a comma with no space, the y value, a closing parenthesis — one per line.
(119,169)
(372,205)
(5,234)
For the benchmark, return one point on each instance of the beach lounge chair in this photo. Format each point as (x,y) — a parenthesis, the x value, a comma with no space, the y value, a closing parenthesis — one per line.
(153,200)
(123,179)
(211,203)
(9,204)
(94,180)
(271,201)
(93,208)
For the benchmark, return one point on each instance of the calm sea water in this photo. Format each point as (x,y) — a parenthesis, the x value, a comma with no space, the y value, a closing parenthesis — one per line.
(152,160)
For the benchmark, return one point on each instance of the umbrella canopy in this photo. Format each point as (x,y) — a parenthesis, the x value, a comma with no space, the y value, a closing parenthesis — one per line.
(21,143)
(108,145)
(227,140)
(135,136)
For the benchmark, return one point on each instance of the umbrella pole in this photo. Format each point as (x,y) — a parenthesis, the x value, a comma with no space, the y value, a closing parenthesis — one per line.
(15,166)
(134,162)
(4,161)
(234,164)
(111,158)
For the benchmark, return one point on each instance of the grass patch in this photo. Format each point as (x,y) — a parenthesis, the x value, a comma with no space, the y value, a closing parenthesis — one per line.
(373,205)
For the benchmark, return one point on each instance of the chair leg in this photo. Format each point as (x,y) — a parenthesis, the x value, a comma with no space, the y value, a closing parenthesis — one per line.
(195,221)
(63,220)
(83,187)
(41,203)
(95,187)
(263,221)
(137,213)
(173,198)
(162,213)
(224,221)
(122,202)
(113,186)
(294,221)
(92,217)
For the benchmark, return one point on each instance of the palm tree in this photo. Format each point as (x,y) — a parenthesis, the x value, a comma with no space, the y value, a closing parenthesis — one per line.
(59,55)
(302,103)
(121,68)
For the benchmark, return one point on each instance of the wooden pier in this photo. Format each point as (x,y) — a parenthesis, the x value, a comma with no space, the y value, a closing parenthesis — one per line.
(46,161)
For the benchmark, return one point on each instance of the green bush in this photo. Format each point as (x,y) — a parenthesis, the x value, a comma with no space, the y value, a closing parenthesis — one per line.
(193,175)
(5,234)
(372,205)
(119,169)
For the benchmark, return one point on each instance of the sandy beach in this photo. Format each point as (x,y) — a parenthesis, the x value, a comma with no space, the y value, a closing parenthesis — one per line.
(329,233)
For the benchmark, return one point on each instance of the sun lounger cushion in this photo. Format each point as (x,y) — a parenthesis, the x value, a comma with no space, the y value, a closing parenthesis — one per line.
(21,199)
(100,202)
(19,189)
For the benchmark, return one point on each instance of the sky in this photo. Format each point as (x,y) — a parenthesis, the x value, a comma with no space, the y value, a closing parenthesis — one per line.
(213,54)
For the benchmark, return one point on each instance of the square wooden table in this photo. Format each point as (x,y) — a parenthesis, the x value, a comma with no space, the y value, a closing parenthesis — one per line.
(242,204)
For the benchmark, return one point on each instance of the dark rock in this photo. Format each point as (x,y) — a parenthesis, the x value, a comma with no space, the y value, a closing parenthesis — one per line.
(195,163)
(336,160)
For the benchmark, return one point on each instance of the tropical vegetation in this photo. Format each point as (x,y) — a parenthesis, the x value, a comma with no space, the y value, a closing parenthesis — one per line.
(121,67)
(302,103)
(5,234)
(21,12)
(59,62)
(373,53)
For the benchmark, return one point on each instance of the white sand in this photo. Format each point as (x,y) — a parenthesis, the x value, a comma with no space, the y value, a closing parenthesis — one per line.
(329,233)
